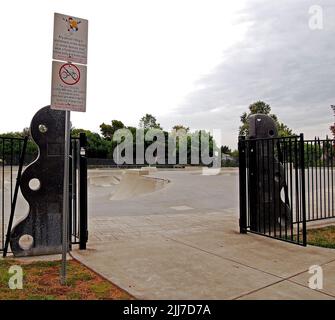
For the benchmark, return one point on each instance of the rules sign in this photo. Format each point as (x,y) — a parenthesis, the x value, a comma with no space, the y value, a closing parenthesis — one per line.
(68,91)
(70,39)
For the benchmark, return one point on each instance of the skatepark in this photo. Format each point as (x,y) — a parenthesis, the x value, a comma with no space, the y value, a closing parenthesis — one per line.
(173,234)
(149,191)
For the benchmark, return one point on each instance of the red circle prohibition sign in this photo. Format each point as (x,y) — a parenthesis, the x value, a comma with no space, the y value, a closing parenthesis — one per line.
(69,74)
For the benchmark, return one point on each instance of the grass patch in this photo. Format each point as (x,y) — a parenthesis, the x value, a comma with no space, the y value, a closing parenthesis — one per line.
(41,281)
(322,237)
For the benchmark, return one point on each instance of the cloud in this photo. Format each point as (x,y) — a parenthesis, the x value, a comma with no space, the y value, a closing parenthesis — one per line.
(281,60)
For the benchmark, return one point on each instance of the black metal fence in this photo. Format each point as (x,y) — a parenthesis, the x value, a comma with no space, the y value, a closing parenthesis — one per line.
(319,172)
(13,157)
(284,184)
(12,151)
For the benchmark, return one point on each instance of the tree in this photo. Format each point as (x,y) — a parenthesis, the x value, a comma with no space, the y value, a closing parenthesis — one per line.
(225,150)
(263,108)
(108,130)
(180,127)
(149,122)
(13,148)
(284,130)
(332,128)
(96,146)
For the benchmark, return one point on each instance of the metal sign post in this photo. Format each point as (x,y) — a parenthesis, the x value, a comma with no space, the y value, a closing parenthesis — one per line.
(65,240)
(68,93)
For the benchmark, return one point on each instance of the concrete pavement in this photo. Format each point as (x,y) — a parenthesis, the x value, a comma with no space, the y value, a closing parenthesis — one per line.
(201,256)
(182,242)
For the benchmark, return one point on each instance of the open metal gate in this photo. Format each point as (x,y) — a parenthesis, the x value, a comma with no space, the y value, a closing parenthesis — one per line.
(285,183)
(272,196)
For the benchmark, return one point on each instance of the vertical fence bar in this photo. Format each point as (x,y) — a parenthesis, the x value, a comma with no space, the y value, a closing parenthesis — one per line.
(83,232)
(287,197)
(297,195)
(76,217)
(258,191)
(263,187)
(312,187)
(279,190)
(332,175)
(323,159)
(316,150)
(328,185)
(11,171)
(252,184)
(3,196)
(282,159)
(308,179)
(70,196)
(303,195)
(74,188)
(271,207)
(273,155)
(291,188)
(320,176)
(242,184)
(247,160)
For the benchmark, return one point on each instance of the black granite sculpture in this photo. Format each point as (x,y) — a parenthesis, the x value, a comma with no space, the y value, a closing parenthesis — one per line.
(269,210)
(40,232)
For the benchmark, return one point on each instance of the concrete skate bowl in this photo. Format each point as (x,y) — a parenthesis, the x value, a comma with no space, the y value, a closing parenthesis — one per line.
(127,184)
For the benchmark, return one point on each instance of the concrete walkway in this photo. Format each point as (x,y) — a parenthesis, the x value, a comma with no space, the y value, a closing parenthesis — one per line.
(182,242)
(201,256)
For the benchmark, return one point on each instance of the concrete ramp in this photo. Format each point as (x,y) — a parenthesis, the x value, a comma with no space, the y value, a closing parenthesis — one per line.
(135,183)
(105,177)
(105,180)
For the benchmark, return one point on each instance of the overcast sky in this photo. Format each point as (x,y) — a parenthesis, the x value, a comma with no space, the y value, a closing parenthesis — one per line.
(197,63)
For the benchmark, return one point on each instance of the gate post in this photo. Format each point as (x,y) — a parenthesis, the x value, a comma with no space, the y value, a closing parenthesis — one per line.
(303,193)
(71,169)
(242,184)
(83,232)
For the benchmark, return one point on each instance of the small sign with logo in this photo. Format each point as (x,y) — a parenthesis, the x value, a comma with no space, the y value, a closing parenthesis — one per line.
(70,39)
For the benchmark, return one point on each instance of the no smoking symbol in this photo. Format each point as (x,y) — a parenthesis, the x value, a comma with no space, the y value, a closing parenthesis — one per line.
(69,74)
